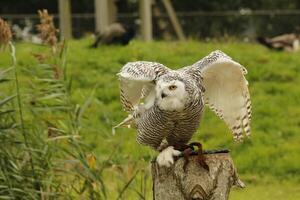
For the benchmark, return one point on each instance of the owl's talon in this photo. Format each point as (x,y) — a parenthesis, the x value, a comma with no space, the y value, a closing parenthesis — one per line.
(188,149)
(201,157)
(186,154)
(165,158)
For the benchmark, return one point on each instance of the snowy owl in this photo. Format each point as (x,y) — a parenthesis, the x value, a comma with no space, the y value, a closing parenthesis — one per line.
(165,106)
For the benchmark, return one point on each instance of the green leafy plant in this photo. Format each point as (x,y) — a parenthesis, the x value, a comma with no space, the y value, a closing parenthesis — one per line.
(42,155)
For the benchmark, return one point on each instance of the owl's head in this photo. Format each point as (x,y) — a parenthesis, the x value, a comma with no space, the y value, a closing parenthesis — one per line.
(171,95)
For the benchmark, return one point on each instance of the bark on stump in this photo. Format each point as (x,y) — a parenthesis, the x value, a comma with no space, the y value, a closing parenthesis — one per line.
(196,183)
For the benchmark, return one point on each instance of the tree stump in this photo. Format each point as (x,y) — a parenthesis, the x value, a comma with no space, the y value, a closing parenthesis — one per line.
(196,182)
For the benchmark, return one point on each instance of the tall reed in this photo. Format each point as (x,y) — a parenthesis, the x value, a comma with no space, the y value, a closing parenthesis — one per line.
(42,154)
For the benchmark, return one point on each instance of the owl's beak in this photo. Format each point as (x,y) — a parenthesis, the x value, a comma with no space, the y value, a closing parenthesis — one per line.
(163,95)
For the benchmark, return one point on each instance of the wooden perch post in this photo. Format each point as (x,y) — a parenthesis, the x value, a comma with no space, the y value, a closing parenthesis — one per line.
(196,183)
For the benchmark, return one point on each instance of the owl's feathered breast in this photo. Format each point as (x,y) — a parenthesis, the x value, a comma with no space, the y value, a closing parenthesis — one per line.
(177,127)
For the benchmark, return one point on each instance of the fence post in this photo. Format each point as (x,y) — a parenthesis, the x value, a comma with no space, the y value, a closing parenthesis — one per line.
(146,19)
(174,19)
(105,14)
(65,20)
(101,15)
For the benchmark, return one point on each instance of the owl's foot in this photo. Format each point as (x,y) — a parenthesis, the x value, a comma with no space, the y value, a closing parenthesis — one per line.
(189,150)
(165,157)
(186,154)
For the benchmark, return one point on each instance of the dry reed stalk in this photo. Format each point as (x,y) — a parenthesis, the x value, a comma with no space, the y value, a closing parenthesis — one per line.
(5,33)
(47,30)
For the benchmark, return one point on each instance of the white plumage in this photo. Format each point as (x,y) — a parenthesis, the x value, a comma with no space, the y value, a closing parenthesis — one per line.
(165,106)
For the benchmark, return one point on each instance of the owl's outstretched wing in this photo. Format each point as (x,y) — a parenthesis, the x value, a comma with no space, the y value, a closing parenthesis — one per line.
(137,82)
(226,91)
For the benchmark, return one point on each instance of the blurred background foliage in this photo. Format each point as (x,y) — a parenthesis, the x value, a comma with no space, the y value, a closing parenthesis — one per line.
(84,6)
(201,19)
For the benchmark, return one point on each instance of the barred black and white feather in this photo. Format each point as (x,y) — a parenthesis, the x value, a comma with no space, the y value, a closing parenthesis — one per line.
(136,81)
(226,91)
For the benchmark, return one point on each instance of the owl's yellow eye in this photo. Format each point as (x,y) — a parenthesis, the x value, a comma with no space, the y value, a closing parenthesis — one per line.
(172,87)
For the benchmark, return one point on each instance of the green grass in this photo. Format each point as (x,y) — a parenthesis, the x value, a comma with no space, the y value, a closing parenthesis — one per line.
(270,190)
(274,78)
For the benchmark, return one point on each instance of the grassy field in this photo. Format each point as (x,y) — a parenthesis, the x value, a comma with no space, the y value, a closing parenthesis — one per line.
(269,162)
(268,190)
